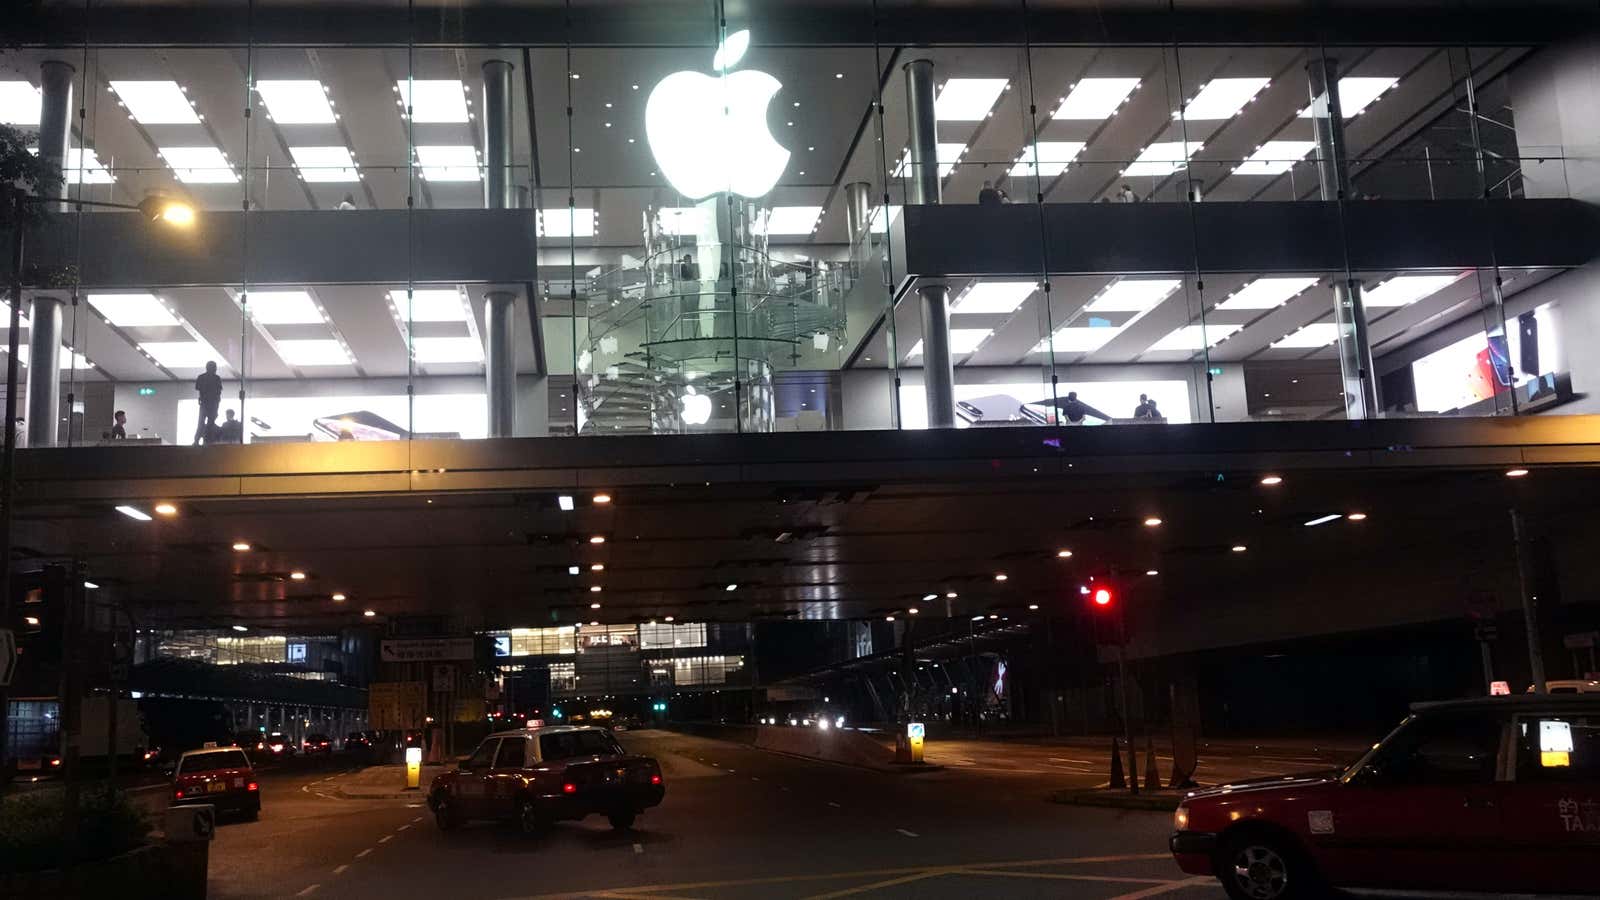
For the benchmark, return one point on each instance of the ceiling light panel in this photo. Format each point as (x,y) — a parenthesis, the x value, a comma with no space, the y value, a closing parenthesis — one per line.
(181,354)
(1311,337)
(1356,93)
(962,341)
(315,352)
(1051,157)
(448,163)
(1404,290)
(1267,293)
(1094,99)
(283,308)
(199,165)
(1222,98)
(156,102)
(19,103)
(431,305)
(82,167)
(949,154)
(431,102)
(1193,338)
(1275,157)
(5,316)
(325,165)
(967,99)
(793,219)
(994,297)
(562,221)
(133,310)
(447,350)
(67,359)
(1162,158)
(1133,295)
(1078,339)
(296,102)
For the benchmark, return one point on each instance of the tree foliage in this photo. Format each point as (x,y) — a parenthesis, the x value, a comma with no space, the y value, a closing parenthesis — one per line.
(25,172)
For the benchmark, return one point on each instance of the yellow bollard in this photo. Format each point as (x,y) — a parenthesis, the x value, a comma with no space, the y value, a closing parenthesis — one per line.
(413,768)
(914,735)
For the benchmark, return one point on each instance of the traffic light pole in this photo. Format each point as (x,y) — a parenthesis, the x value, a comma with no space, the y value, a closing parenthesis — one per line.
(1127,716)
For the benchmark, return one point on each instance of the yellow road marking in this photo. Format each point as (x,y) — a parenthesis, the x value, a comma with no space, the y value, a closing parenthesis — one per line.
(863,888)
(1195,881)
(1064,876)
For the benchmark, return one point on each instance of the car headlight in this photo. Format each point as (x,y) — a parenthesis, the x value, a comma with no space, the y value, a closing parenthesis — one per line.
(1180,819)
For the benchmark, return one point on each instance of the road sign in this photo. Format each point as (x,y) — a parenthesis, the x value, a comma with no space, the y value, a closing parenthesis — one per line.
(396,704)
(444,678)
(8,656)
(425,649)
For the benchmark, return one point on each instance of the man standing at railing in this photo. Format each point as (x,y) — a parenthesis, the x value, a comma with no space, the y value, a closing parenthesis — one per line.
(209,386)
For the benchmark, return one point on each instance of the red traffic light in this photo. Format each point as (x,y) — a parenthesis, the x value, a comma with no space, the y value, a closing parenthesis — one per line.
(1102,597)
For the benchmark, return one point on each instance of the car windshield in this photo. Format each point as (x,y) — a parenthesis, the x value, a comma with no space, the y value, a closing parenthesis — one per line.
(568,744)
(212,762)
(1350,770)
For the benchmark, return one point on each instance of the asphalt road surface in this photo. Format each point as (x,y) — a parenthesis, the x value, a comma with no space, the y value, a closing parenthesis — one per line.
(736,823)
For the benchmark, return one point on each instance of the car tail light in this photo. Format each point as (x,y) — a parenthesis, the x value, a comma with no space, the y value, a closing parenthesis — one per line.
(252,786)
(655,779)
(55,762)
(569,788)
(178,794)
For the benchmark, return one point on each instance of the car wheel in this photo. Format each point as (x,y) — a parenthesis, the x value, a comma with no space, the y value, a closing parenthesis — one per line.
(1257,866)
(444,814)
(622,821)
(529,820)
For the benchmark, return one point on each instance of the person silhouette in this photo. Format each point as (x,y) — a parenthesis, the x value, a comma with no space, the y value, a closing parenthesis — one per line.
(209,386)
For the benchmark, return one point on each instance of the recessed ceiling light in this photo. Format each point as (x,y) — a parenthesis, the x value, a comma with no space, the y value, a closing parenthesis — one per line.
(1162,158)
(20,103)
(180,354)
(241,546)
(1356,516)
(134,512)
(793,219)
(448,162)
(602,499)
(951,595)
(313,352)
(1267,293)
(1322,520)
(1275,157)
(962,341)
(731,587)
(1063,554)
(297,576)
(198,165)
(296,102)
(283,308)
(1033,606)
(597,567)
(928,598)
(994,297)
(912,611)
(1152,571)
(133,310)
(572,570)
(447,349)
(1239,548)
(338,597)
(430,305)
(325,165)
(1404,290)
(835,75)
(1152,522)
(240,628)
(1000,576)
(967,99)
(1222,98)
(1516,473)
(1135,295)
(91,586)
(1271,480)
(598,539)
(1313,336)
(156,102)
(594,606)
(369,613)
(888,618)
(1192,338)
(666,618)
(566,222)
(438,101)
(166,509)
(1046,158)
(564,501)
(1095,98)
(1356,93)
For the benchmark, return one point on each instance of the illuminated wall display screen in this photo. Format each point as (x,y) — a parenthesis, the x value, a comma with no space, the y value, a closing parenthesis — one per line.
(1476,367)
(1027,403)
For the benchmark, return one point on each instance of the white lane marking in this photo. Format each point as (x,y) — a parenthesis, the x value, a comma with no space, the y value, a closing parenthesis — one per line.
(754,778)
(638,848)
(339,870)
(1081,762)
(402,828)
(308,891)
(414,806)
(730,771)
(386,839)
(416,820)
(323,796)
(363,853)
(907,833)
(833,804)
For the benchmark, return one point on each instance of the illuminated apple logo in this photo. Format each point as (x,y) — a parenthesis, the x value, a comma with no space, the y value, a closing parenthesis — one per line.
(696,408)
(710,134)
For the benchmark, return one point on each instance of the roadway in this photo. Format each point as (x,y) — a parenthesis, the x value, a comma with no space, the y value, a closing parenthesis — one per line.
(737,822)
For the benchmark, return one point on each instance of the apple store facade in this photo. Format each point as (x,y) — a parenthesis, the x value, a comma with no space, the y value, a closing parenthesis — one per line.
(494,219)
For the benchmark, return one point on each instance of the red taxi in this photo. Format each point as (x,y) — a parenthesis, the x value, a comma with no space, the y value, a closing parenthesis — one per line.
(536,776)
(219,776)
(1499,794)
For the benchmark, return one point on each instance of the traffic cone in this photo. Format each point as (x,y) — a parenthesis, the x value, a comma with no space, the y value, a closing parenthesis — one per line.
(1117,781)
(1152,775)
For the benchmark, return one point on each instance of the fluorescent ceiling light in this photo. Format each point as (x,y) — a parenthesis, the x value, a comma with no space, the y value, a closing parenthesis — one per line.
(133,310)
(1162,158)
(962,341)
(1133,295)
(447,349)
(994,297)
(1222,98)
(1275,157)
(1193,338)
(283,308)
(1404,290)
(296,102)
(325,165)
(315,352)
(1311,337)
(1323,520)
(683,221)
(1356,93)
(66,359)
(1078,339)
(431,305)
(133,512)
(1052,158)
(199,165)
(1095,98)
(967,99)
(19,103)
(434,101)
(793,219)
(448,163)
(879,222)
(180,354)
(949,154)
(562,221)
(1267,293)
(82,167)
(156,102)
